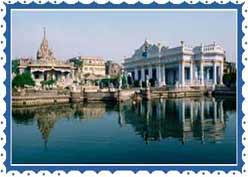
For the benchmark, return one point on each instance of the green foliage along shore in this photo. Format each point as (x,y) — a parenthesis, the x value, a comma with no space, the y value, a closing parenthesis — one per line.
(22,80)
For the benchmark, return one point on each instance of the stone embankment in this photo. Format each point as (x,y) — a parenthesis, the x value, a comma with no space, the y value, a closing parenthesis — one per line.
(224,91)
(164,93)
(43,97)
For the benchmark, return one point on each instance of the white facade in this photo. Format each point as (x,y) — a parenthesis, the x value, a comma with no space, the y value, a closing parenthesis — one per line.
(180,66)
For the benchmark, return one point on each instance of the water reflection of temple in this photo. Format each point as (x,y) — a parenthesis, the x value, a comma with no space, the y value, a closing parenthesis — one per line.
(47,117)
(201,119)
(90,111)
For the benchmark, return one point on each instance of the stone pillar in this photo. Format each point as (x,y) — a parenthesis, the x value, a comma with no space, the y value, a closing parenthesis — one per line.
(136,74)
(202,74)
(142,74)
(42,76)
(158,76)
(150,72)
(163,75)
(181,74)
(73,74)
(53,75)
(221,73)
(214,74)
(32,75)
(191,73)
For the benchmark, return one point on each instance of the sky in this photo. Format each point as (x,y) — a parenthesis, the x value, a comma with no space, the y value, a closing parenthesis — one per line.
(114,35)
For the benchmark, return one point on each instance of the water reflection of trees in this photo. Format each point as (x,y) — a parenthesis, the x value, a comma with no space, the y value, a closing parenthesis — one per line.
(23,116)
(201,119)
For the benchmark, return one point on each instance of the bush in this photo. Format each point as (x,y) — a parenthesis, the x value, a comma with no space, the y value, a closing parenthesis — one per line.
(48,82)
(229,79)
(23,79)
(136,83)
(114,80)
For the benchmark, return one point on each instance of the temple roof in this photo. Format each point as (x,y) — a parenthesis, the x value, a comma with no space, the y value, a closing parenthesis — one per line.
(147,50)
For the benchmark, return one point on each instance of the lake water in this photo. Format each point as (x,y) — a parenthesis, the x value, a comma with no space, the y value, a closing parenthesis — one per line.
(175,131)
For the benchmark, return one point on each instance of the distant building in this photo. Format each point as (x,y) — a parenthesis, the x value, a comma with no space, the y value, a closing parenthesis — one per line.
(88,68)
(112,69)
(47,67)
(179,66)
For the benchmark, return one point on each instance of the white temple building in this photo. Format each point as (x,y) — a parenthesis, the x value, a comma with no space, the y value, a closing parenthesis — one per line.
(180,66)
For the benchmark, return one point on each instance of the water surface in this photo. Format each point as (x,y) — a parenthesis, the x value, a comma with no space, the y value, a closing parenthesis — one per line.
(176,131)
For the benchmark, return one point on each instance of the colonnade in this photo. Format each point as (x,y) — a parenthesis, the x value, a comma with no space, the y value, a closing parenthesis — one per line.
(194,76)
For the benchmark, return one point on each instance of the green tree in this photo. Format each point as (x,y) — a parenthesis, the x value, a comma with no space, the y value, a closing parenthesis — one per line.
(229,79)
(105,82)
(15,64)
(23,79)
(77,63)
(124,81)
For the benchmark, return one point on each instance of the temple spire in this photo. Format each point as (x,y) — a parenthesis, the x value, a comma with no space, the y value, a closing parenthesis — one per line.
(146,40)
(44,31)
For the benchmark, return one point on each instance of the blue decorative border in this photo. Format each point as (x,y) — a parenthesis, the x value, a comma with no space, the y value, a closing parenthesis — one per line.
(138,5)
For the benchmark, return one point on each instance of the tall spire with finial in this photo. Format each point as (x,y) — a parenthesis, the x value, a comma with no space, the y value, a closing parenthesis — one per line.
(44,31)
(146,41)
(44,52)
